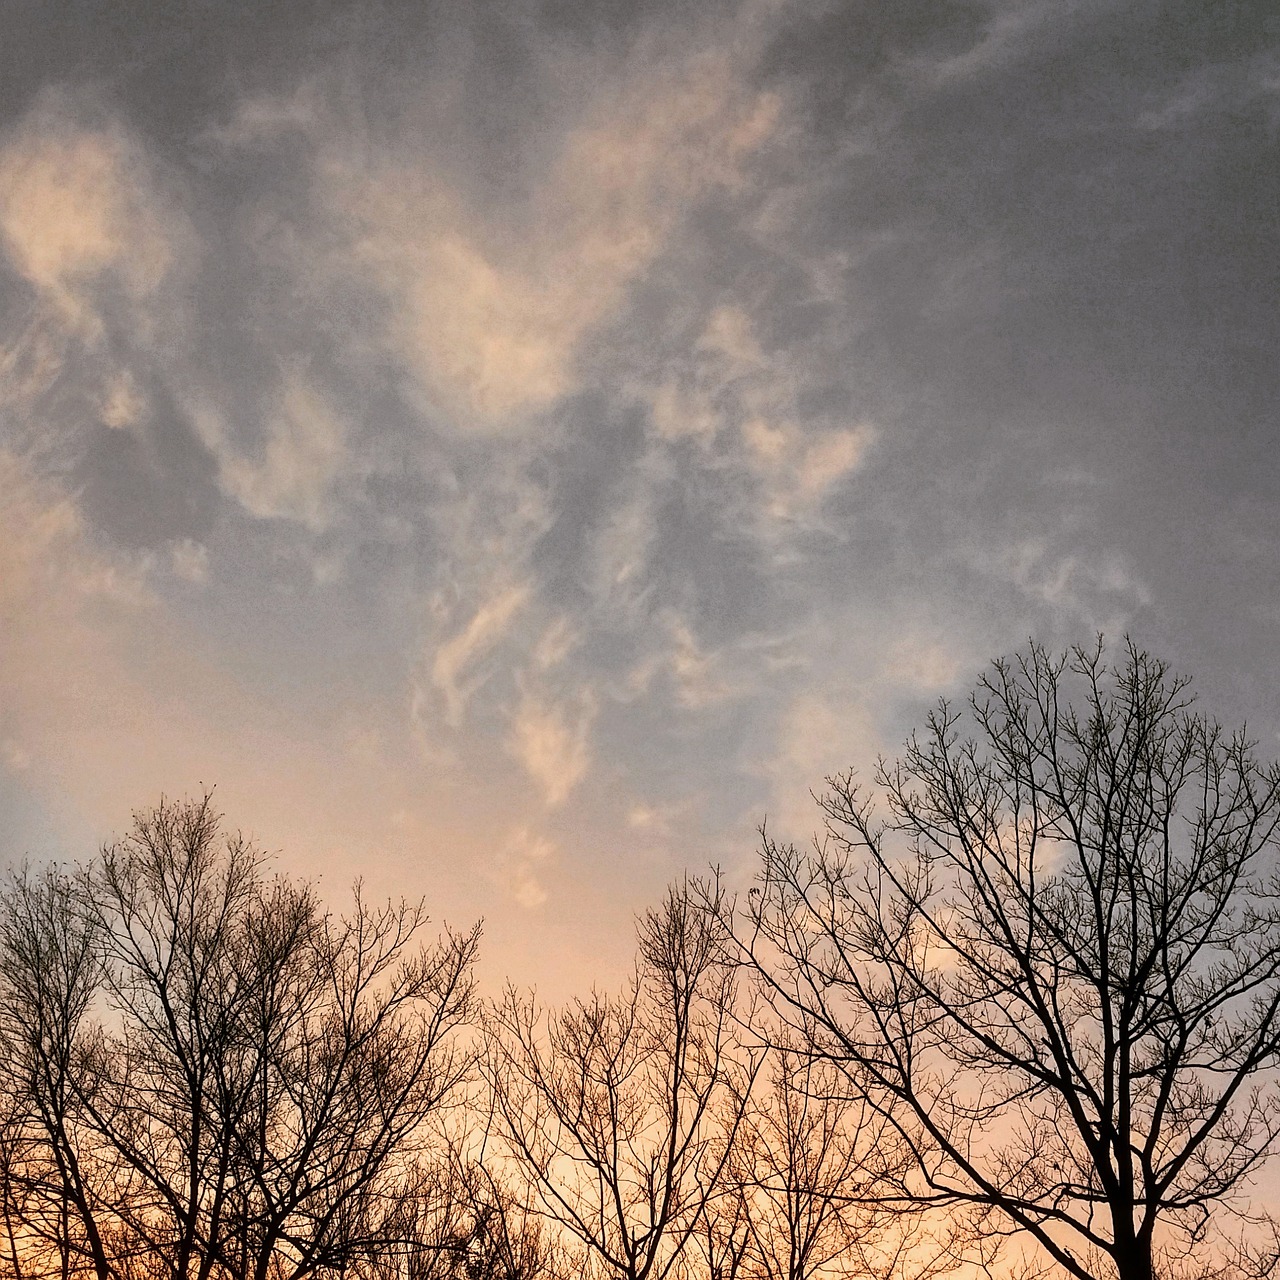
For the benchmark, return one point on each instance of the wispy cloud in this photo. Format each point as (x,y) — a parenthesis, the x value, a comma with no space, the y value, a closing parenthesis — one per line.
(302,452)
(698,678)
(740,407)
(1102,591)
(489,439)
(457,669)
(77,204)
(519,865)
(489,315)
(618,571)
(46,560)
(190,560)
(818,734)
(551,738)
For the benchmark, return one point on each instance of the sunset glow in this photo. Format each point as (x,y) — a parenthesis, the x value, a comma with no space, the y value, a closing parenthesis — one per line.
(507,452)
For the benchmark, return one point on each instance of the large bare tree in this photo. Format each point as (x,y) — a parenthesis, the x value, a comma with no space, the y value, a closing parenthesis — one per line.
(1046,945)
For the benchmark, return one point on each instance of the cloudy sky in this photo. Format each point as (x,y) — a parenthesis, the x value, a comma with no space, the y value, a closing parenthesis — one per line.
(512,448)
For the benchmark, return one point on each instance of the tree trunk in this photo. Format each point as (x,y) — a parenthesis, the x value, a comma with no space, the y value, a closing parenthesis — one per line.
(1133,1260)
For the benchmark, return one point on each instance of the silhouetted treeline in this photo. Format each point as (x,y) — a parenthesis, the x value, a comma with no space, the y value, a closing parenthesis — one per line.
(1025,1014)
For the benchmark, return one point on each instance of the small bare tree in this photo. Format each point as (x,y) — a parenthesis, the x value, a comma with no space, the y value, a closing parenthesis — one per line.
(810,1166)
(1054,964)
(613,1107)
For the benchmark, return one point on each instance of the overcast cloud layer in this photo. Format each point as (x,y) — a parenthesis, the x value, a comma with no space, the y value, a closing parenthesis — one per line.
(510,449)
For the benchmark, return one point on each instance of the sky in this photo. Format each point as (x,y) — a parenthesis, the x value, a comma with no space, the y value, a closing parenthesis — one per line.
(510,450)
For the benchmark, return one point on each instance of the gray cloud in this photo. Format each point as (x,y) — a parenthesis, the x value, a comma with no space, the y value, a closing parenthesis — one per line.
(598,424)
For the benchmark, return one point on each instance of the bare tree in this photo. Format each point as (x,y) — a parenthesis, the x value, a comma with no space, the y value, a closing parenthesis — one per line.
(806,1176)
(724,1238)
(221,1078)
(613,1107)
(464,1221)
(346,1085)
(53,1164)
(1054,964)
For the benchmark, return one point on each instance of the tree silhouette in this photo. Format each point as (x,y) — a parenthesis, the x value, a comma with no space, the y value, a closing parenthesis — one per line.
(215,1076)
(52,1166)
(1053,961)
(803,1191)
(620,1112)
